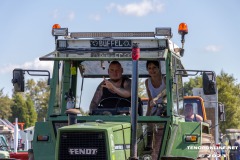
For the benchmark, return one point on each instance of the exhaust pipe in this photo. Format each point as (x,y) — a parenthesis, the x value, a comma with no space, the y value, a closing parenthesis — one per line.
(72,115)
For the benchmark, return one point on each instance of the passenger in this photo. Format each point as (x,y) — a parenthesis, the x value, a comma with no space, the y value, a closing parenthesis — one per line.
(156,91)
(116,86)
(156,88)
(189,115)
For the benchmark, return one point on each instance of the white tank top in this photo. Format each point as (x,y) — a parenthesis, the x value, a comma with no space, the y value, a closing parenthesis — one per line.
(155,91)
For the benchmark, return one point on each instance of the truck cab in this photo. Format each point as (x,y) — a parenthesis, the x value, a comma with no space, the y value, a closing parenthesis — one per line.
(198,105)
(82,56)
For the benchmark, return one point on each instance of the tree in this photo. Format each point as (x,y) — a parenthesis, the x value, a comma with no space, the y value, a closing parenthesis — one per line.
(5,106)
(192,83)
(228,94)
(31,105)
(142,89)
(23,109)
(19,108)
(39,92)
(31,113)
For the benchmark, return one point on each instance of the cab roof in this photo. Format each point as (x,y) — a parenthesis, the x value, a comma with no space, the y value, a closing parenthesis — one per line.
(94,52)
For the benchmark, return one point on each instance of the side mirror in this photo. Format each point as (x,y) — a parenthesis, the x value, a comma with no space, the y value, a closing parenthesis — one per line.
(221,112)
(18,80)
(209,83)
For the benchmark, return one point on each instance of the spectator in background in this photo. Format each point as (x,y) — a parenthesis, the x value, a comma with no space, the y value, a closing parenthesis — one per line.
(237,144)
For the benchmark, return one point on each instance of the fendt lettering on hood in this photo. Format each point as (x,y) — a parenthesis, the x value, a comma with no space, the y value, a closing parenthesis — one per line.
(82,151)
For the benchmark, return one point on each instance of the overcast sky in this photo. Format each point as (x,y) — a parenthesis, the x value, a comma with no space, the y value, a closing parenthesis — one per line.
(211,44)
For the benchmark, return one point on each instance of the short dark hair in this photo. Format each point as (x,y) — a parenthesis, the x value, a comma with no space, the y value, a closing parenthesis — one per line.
(115,62)
(156,63)
(238,137)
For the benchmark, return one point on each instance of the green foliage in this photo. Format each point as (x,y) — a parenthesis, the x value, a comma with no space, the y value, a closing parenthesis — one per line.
(142,89)
(23,109)
(31,113)
(192,83)
(19,108)
(5,106)
(228,94)
(39,92)
(31,105)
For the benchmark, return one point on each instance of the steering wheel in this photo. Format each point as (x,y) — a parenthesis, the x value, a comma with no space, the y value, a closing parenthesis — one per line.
(118,105)
(113,106)
(114,102)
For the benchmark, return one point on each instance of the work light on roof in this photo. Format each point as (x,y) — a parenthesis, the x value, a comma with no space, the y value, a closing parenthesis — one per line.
(110,34)
(163,31)
(58,31)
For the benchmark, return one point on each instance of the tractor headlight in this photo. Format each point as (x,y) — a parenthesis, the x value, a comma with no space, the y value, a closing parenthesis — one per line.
(191,138)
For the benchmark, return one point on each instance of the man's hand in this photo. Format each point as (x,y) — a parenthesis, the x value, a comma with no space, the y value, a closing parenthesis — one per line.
(107,84)
(153,102)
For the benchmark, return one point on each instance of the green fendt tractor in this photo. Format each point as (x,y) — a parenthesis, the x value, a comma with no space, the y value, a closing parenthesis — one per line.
(80,57)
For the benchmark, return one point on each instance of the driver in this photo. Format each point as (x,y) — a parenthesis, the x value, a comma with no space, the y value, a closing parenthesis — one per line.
(116,86)
(190,116)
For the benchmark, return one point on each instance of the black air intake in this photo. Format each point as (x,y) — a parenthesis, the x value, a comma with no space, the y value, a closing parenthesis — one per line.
(83,145)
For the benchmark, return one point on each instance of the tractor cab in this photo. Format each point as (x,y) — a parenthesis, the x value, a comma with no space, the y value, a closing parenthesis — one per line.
(83,57)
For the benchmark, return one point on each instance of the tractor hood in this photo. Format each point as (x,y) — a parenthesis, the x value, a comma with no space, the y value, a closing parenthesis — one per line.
(99,124)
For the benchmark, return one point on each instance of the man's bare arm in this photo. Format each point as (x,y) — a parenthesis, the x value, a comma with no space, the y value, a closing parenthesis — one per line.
(199,118)
(96,98)
(126,91)
(162,94)
(149,108)
(123,92)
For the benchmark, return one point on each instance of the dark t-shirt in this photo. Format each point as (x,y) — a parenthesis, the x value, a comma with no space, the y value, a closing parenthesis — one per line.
(113,100)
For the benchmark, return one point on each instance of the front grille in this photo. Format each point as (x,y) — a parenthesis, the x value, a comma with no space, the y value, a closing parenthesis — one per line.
(76,141)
